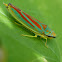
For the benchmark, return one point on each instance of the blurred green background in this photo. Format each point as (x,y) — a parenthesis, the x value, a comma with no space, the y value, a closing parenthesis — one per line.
(25,49)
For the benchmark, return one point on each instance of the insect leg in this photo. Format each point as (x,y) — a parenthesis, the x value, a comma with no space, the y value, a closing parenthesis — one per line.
(46,43)
(29,35)
(17,23)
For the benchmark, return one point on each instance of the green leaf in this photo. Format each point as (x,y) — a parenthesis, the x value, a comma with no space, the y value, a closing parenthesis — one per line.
(26,49)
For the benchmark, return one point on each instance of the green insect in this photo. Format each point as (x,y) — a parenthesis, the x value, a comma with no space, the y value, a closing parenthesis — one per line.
(32,24)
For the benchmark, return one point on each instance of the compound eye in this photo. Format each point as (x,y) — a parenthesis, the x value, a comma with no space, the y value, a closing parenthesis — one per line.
(9,4)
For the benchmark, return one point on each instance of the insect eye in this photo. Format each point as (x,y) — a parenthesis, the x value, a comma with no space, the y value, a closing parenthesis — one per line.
(9,4)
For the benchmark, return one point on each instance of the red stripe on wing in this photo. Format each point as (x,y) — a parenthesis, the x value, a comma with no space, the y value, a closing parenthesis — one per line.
(22,15)
(33,21)
(32,17)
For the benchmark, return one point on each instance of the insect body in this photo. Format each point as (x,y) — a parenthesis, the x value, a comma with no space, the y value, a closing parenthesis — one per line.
(37,27)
